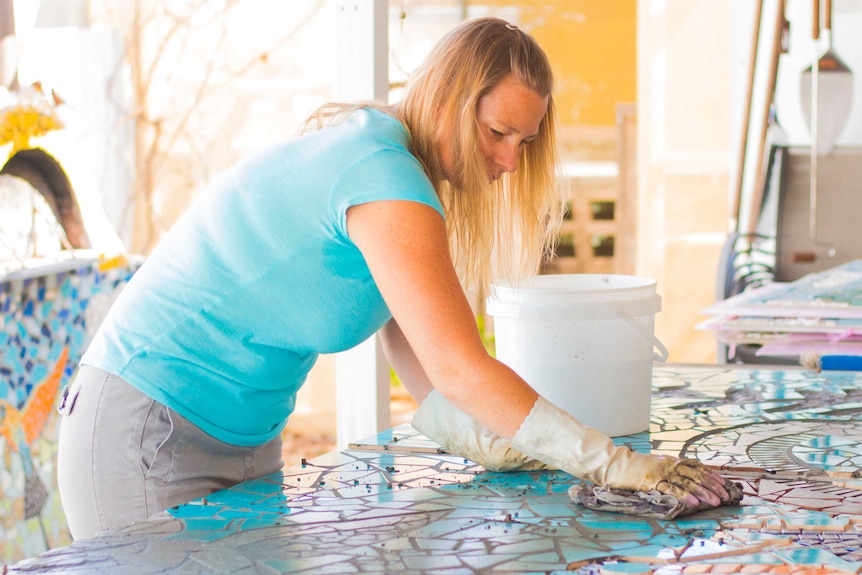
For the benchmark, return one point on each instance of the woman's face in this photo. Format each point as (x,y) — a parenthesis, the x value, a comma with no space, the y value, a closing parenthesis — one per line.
(508,117)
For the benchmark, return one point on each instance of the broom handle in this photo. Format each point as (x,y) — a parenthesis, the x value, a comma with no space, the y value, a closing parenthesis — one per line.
(734,226)
(815,95)
(815,20)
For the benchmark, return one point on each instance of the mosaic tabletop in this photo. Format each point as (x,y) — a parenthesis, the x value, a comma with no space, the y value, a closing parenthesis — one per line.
(393,503)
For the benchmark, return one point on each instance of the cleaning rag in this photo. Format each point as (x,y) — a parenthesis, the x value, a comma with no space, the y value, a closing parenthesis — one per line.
(648,504)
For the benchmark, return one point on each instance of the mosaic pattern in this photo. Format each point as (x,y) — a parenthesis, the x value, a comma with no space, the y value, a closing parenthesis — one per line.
(835,293)
(395,503)
(816,316)
(49,312)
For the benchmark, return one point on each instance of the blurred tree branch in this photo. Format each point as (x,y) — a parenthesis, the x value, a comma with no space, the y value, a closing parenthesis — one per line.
(181,55)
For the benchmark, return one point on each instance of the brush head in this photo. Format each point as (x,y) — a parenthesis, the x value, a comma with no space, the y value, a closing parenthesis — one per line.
(834,96)
(834,100)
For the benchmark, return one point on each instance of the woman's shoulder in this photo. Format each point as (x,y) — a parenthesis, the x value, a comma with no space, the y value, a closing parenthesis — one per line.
(381,125)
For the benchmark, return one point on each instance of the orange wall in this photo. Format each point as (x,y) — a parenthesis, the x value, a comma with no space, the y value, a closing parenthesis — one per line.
(592,47)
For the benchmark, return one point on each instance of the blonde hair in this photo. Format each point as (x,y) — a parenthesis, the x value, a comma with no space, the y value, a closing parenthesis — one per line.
(498,230)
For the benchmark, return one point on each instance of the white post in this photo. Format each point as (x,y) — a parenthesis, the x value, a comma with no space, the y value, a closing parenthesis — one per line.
(361,391)
(361,373)
(362,51)
(8,48)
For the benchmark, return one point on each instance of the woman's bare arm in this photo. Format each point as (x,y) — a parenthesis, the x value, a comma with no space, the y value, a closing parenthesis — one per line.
(406,248)
(404,361)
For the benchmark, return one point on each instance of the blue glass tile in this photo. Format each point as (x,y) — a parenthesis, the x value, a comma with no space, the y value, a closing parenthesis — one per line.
(526,566)
(562,509)
(194,511)
(669,540)
(583,550)
(426,562)
(617,522)
(693,522)
(623,568)
(530,546)
(483,562)
(314,564)
(204,524)
(753,558)
(809,556)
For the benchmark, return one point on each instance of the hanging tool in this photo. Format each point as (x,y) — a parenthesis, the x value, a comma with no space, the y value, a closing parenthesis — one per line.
(826,86)
(827,92)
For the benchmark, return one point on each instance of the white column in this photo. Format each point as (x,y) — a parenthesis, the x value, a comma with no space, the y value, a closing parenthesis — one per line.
(362,373)
(362,52)
(361,391)
(8,48)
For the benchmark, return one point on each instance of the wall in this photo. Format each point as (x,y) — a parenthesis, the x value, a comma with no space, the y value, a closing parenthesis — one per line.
(692,71)
(50,309)
(683,162)
(592,48)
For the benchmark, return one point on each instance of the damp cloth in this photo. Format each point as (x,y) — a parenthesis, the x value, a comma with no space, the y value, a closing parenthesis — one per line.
(649,504)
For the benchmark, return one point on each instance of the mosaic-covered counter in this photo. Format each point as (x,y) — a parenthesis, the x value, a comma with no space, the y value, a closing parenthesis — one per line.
(393,504)
(50,309)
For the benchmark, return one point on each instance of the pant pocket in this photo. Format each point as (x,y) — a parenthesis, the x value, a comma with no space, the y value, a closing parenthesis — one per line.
(187,462)
(201,457)
(160,439)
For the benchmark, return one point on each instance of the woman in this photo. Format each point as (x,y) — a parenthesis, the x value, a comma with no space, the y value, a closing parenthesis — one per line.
(312,246)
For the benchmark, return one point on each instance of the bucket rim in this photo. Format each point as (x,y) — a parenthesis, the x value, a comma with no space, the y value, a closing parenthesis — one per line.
(574,284)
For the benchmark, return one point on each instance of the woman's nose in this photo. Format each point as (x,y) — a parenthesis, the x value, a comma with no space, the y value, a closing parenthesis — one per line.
(507,157)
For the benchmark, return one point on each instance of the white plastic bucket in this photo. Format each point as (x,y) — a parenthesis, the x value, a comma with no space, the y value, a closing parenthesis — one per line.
(585,342)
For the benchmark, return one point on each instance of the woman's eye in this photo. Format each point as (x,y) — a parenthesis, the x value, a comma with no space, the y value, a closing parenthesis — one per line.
(496,133)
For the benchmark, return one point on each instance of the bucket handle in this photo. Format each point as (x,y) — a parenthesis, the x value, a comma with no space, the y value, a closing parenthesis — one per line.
(663,353)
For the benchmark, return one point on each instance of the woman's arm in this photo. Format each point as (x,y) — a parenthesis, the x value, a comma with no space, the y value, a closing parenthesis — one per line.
(444,423)
(406,248)
(403,360)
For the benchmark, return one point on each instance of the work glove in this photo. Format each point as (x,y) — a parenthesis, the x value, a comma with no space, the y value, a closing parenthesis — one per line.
(553,436)
(459,434)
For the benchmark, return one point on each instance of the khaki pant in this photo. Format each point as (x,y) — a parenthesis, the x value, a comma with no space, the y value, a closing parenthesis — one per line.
(124,457)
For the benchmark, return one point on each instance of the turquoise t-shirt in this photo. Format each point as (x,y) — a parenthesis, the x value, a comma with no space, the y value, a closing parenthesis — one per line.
(226,317)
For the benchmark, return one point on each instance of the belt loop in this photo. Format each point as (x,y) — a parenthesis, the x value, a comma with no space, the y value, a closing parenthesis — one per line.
(68,398)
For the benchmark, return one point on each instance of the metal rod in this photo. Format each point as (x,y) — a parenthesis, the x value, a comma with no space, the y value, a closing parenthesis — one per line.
(813,160)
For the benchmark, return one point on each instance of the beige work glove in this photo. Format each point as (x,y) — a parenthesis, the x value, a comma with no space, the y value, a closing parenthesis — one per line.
(460,434)
(551,435)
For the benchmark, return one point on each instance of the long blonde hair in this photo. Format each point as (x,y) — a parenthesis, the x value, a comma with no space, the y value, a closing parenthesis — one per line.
(498,230)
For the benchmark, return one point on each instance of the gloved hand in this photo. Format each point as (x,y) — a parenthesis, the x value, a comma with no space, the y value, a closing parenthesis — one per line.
(555,437)
(460,434)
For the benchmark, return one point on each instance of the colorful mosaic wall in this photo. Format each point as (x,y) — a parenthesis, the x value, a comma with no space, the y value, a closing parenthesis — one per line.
(49,312)
(393,503)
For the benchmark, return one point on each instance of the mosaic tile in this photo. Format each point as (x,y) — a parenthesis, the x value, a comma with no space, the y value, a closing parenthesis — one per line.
(46,322)
(394,503)
(625,568)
